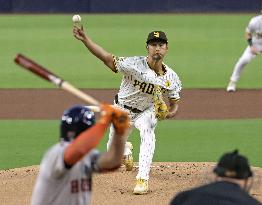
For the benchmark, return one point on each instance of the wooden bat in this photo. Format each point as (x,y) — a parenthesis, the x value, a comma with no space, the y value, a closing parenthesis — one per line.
(44,73)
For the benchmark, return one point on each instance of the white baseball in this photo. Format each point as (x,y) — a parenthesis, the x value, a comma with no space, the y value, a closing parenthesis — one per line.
(76,18)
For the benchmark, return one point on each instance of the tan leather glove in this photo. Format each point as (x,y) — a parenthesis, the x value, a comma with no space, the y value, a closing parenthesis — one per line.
(161,109)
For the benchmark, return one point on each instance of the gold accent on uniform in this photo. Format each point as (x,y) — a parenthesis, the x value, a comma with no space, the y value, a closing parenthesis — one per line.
(156,34)
(115,59)
(167,83)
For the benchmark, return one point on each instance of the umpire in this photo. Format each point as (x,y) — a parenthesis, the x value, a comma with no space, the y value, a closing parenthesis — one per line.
(233,182)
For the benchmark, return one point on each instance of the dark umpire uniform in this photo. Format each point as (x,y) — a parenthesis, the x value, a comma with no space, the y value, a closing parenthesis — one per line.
(224,191)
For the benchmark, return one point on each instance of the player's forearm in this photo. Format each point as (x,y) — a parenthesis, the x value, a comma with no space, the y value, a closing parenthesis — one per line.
(173,108)
(87,141)
(112,159)
(99,52)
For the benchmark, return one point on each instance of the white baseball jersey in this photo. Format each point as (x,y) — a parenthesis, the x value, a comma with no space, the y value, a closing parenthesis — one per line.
(255,28)
(138,82)
(58,185)
(136,91)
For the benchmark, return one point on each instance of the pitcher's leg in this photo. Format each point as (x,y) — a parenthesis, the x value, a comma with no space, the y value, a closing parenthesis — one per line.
(128,160)
(128,146)
(147,149)
(146,124)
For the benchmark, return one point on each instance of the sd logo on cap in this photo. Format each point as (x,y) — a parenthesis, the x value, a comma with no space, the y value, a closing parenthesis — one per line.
(157,36)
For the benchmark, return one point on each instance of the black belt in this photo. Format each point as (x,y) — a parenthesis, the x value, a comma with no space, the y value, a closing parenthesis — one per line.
(132,109)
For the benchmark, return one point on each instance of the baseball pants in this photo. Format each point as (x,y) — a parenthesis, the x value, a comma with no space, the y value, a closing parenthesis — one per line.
(246,57)
(145,122)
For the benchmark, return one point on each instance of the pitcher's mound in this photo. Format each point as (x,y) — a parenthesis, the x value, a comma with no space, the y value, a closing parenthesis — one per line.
(166,179)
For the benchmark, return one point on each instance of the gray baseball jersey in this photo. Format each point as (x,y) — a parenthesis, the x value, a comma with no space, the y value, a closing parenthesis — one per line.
(255,28)
(58,185)
(138,82)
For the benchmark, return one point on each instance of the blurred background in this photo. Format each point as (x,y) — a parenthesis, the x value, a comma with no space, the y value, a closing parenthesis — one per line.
(127,6)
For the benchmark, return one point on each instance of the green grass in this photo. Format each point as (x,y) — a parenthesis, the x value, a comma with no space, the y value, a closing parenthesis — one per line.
(23,143)
(202,48)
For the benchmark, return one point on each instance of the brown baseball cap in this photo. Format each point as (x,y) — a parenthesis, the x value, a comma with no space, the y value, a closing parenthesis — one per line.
(157,36)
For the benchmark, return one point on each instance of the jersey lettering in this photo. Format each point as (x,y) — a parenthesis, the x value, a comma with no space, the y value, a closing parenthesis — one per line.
(74,186)
(144,87)
(85,185)
(136,82)
(82,185)
(150,89)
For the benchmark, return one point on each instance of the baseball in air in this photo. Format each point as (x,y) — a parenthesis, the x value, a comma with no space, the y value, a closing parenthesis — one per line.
(76,18)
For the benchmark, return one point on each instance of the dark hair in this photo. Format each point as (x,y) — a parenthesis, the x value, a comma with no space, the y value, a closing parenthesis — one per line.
(233,165)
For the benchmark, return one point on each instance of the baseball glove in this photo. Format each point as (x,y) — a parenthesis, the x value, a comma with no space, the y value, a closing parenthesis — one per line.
(161,109)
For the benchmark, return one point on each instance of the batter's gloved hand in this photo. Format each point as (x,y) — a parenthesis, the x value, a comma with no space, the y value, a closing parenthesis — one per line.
(161,109)
(120,121)
(106,113)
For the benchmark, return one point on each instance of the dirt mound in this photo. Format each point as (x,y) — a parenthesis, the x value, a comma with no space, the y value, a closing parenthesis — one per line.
(166,180)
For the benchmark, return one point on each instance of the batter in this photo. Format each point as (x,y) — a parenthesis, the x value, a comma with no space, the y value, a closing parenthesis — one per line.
(65,176)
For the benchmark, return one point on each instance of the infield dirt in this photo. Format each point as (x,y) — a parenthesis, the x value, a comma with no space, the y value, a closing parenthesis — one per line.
(194,104)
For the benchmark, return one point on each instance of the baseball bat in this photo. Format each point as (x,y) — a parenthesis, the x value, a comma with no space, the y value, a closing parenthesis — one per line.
(45,74)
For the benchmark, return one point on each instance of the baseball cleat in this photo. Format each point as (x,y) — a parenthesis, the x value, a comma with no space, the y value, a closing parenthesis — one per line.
(231,86)
(141,187)
(128,160)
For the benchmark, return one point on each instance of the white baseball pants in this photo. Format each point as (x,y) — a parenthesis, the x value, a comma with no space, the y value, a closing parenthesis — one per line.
(146,123)
(246,57)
